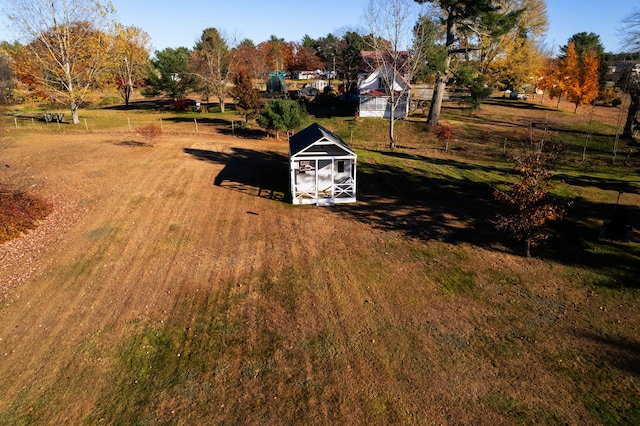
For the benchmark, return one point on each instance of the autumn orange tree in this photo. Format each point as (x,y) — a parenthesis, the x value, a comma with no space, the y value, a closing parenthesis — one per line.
(525,209)
(582,76)
(69,49)
(279,54)
(548,75)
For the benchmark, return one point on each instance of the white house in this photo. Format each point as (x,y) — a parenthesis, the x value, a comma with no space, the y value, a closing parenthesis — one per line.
(322,168)
(377,79)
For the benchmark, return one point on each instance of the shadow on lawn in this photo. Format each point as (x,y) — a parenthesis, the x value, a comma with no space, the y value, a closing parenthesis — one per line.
(429,204)
(424,205)
(578,243)
(622,353)
(263,174)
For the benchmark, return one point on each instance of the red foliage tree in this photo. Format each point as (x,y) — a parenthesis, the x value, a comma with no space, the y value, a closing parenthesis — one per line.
(525,209)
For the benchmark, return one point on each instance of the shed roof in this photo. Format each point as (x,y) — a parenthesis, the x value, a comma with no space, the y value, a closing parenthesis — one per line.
(309,139)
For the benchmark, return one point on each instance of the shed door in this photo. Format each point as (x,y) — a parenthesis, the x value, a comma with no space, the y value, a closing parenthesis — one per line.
(325,177)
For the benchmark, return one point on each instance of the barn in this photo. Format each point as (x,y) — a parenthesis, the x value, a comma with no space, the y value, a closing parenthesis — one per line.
(322,168)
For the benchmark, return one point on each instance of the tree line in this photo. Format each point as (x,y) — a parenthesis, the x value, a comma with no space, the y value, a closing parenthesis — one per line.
(74,49)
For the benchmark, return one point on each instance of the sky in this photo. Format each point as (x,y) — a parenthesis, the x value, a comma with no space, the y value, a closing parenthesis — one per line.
(175,23)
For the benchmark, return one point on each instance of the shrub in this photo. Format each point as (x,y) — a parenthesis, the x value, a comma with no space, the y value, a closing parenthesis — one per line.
(444,132)
(151,133)
(181,104)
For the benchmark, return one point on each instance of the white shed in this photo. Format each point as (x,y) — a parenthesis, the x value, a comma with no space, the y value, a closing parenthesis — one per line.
(322,168)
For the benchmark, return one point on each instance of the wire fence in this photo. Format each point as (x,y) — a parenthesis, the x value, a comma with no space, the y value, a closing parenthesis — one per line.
(58,122)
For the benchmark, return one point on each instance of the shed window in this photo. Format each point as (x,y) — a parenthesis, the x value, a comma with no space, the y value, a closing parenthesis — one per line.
(340,166)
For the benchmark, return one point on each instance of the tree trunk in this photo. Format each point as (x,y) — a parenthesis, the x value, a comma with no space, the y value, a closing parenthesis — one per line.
(392,143)
(74,113)
(632,113)
(127,94)
(528,247)
(433,119)
(221,100)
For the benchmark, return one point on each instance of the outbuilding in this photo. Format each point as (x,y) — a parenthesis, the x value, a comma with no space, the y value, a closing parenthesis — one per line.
(322,168)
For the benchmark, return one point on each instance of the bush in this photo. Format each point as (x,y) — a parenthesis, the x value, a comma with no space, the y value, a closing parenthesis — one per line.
(609,97)
(181,104)
(444,133)
(151,133)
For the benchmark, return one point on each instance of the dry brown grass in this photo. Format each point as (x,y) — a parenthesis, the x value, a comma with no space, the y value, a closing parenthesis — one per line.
(183,291)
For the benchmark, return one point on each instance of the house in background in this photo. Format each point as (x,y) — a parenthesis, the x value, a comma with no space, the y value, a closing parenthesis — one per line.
(322,168)
(377,78)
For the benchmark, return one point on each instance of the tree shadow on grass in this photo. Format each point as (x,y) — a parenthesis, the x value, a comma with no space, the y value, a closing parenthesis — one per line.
(578,243)
(223,126)
(145,105)
(258,173)
(429,204)
(422,205)
(621,353)
(455,208)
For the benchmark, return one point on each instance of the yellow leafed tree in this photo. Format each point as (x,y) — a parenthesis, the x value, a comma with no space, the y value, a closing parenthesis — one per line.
(514,58)
(130,58)
(548,75)
(68,52)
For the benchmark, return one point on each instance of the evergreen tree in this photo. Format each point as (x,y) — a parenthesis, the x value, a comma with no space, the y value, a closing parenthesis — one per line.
(281,115)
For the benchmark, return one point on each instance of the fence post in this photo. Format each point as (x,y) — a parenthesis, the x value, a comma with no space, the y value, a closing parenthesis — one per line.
(196,121)
(15,120)
(129,124)
(86,126)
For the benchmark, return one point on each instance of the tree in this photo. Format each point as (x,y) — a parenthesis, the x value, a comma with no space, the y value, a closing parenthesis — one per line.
(68,50)
(548,75)
(513,58)
(304,58)
(282,114)
(434,52)
(277,53)
(246,96)
(630,33)
(213,64)
(525,209)
(130,58)
(584,87)
(589,42)
(7,77)
(391,24)
(571,75)
(249,58)
(170,72)
(630,81)
(464,19)
(348,56)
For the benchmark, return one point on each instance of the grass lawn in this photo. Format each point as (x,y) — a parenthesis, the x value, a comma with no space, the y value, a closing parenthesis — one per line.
(174,284)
